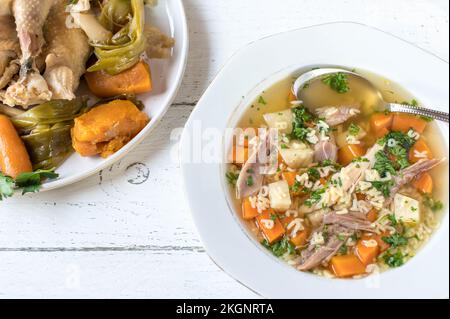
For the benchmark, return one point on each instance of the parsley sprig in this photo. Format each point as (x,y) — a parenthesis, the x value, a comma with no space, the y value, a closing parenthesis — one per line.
(337,81)
(280,248)
(26,182)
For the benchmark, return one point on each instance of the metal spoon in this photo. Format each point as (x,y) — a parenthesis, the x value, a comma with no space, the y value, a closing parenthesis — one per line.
(392,107)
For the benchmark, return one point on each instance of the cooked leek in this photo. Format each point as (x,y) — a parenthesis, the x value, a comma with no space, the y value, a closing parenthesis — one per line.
(45,130)
(129,42)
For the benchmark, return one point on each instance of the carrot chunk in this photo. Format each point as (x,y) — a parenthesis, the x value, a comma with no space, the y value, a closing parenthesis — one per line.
(365,251)
(133,81)
(248,212)
(419,151)
(347,266)
(372,216)
(381,123)
(270,225)
(300,238)
(14,158)
(290,178)
(424,183)
(349,152)
(404,122)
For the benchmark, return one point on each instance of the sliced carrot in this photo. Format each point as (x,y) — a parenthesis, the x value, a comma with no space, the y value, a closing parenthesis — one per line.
(290,178)
(239,155)
(272,234)
(349,152)
(347,266)
(367,255)
(381,133)
(248,212)
(380,123)
(135,80)
(424,183)
(420,148)
(372,216)
(404,122)
(301,237)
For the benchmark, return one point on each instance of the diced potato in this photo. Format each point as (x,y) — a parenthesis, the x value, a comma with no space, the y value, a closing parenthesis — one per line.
(279,196)
(280,120)
(406,209)
(297,155)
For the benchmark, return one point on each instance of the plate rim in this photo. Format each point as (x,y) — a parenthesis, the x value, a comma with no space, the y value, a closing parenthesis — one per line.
(196,110)
(137,140)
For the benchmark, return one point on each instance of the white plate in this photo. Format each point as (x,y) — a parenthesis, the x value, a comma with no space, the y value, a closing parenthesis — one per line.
(226,240)
(167,75)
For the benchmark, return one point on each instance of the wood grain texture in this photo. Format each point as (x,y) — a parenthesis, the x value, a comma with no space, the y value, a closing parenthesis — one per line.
(127,231)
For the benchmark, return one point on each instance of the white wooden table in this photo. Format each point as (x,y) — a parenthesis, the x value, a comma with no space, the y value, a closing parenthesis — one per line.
(107,237)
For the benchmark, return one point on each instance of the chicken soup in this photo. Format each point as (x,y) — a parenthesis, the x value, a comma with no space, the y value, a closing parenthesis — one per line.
(333,184)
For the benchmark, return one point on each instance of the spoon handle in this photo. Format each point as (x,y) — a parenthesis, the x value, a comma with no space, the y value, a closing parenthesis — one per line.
(417,110)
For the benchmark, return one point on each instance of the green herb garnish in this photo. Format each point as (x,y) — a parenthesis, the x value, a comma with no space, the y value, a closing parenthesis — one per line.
(337,81)
(299,128)
(434,205)
(262,101)
(27,182)
(383,164)
(232,178)
(354,129)
(394,259)
(280,248)
(250,181)
(383,187)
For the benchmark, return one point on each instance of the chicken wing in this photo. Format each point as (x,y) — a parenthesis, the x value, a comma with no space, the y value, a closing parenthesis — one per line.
(66,53)
(31,88)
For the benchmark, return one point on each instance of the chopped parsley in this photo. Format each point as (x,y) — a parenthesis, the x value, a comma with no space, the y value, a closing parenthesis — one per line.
(280,248)
(434,205)
(401,156)
(383,187)
(383,164)
(394,259)
(401,138)
(413,102)
(262,101)
(315,197)
(284,146)
(232,178)
(396,240)
(250,181)
(299,128)
(360,160)
(343,250)
(313,174)
(354,129)
(337,81)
